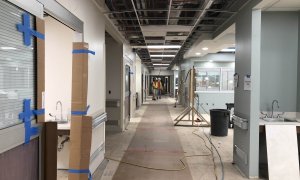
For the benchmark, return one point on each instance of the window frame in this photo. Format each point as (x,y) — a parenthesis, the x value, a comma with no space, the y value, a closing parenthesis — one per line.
(221,70)
(14,135)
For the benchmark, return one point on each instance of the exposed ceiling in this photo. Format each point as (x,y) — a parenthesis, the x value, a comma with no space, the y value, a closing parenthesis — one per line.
(174,23)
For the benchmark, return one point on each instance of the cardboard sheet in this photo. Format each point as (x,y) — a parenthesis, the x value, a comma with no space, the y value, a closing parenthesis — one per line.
(282,152)
(81,126)
(80,145)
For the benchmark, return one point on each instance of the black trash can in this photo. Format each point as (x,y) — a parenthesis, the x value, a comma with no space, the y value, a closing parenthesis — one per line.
(219,119)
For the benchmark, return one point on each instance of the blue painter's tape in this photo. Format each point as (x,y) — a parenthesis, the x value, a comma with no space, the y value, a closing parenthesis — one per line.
(81,171)
(39,112)
(27,31)
(83,51)
(38,34)
(81,113)
(26,117)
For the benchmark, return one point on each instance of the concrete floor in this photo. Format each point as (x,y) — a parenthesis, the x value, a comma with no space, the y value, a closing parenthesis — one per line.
(153,141)
(202,167)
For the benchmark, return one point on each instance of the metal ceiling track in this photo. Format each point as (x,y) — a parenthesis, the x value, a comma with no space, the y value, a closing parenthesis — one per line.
(173,22)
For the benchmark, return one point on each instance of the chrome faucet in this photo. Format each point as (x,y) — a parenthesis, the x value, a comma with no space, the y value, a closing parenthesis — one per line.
(59,102)
(274,101)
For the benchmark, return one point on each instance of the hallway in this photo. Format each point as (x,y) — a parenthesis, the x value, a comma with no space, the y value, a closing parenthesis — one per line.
(152,141)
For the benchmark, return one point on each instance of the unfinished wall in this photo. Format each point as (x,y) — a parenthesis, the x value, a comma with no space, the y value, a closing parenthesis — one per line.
(128,59)
(279,59)
(58,74)
(247,102)
(114,59)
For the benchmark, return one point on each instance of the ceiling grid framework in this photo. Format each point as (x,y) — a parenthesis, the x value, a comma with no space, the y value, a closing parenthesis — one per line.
(161,32)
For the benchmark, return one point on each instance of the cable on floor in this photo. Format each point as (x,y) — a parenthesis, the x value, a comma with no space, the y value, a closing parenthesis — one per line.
(183,165)
(211,150)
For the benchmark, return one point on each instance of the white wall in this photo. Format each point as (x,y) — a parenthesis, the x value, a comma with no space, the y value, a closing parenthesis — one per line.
(114,65)
(94,34)
(128,59)
(58,71)
(138,77)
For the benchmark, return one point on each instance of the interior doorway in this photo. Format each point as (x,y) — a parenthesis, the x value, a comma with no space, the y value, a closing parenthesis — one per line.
(127,93)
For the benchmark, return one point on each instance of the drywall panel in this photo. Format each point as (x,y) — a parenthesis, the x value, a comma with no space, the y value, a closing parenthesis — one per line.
(247,103)
(283,159)
(279,59)
(94,35)
(114,58)
(213,100)
(128,59)
(58,74)
(114,62)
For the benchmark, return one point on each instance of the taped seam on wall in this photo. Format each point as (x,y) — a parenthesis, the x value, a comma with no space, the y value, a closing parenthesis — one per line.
(27,31)
(26,117)
(83,51)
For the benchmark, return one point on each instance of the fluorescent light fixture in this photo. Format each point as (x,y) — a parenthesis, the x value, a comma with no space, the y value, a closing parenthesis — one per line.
(161,64)
(8,48)
(164,47)
(228,50)
(205,48)
(162,55)
(198,54)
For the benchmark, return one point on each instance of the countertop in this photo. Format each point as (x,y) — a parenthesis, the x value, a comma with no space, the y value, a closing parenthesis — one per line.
(263,123)
(66,126)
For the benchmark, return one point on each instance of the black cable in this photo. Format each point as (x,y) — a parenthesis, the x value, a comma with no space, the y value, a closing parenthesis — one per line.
(189,72)
(222,165)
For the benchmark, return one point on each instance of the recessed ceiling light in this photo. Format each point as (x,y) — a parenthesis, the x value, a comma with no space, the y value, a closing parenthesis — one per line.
(162,55)
(8,48)
(211,61)
(164,47)
(198,53)
(205,48)
(228,50)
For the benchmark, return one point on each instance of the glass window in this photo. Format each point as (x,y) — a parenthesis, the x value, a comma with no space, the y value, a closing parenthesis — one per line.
(227,80)
(214,79)
(17,66)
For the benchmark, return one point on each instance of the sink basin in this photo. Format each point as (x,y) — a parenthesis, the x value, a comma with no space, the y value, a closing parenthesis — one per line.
(274,119)
(279,120)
